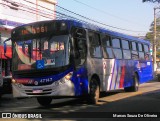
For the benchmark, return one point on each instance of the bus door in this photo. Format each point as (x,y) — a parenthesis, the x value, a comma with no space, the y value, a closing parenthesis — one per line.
(108,61)
(95,64)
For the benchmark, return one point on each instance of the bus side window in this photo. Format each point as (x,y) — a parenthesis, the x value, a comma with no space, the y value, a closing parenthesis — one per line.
(106,46)
(146,50)
(95,49)
(126,49)
(140,49)
(117,48)
(134,53)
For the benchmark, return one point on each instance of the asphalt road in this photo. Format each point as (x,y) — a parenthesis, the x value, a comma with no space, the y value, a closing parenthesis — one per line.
(145,101)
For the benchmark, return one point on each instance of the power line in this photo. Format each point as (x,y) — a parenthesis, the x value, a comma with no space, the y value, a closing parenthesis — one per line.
(62,14)
(97,21)
(84,17)
(106,13)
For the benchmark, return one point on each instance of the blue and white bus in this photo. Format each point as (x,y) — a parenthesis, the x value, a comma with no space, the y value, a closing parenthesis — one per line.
(65,58)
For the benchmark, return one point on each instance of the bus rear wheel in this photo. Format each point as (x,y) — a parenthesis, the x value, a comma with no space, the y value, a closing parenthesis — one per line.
(135,86)
(44,101)
(94,91)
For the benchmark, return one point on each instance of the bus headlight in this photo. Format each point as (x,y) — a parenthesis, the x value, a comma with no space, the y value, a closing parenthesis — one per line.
(13,81)
(17,84)
(68,76)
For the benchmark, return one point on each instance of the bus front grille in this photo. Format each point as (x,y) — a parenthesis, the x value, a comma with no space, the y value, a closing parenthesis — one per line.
(43,92)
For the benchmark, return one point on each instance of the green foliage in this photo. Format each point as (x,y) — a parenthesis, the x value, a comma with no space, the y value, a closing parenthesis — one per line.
(150,35)
(151,1)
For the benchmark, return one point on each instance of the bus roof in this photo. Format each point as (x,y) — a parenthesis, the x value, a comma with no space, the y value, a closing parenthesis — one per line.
(93,27)
(107,31)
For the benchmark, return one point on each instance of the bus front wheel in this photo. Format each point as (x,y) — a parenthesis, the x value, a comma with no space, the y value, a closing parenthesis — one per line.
(135,86)
(44,101)
(94,91)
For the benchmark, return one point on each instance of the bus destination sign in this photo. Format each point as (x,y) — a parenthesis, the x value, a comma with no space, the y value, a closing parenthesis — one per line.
(34,30)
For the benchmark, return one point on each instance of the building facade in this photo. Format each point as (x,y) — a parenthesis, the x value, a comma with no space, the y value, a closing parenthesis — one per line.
(17,12)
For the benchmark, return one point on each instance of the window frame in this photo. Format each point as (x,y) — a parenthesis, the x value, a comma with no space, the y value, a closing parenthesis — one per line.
(125,49)
(99,42)
(120,47)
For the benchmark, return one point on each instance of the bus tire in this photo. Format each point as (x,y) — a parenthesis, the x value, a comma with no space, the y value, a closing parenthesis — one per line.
(135,86)
(158,77)
(44,101)
(94,91)
(0,93)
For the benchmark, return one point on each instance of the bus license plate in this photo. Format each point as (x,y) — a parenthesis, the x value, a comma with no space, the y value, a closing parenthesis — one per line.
(37,91)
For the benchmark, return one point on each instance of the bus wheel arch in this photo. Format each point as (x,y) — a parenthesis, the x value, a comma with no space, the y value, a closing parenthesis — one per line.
(94,86)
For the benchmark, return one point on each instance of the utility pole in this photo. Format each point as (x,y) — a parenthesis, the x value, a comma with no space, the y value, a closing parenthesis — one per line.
(154,42)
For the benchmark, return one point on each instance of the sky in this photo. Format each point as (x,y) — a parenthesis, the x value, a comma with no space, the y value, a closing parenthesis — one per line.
(132,15)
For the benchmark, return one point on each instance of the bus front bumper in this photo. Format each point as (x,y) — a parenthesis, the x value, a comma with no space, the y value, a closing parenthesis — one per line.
(63,89)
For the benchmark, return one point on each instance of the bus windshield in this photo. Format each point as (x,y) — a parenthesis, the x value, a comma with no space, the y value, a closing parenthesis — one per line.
(41,53)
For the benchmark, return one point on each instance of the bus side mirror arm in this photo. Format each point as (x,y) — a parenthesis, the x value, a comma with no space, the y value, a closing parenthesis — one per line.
(5,47)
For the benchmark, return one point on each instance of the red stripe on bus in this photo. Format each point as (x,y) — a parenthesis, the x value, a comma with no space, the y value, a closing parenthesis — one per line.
(122,77)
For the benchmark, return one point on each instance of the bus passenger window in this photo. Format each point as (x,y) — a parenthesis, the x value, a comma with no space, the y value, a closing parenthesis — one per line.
(126,49)
(134,52)
(134,46)
(146,48)
(140,47)
(108,53)
(141,55)
(117,53)
(117,48)
(106,41)
(116,43)
(95,49)
(125,44)
(126,54)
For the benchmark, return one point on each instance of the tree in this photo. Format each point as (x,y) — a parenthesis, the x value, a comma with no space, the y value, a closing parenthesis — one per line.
(151,1)
(149,35)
